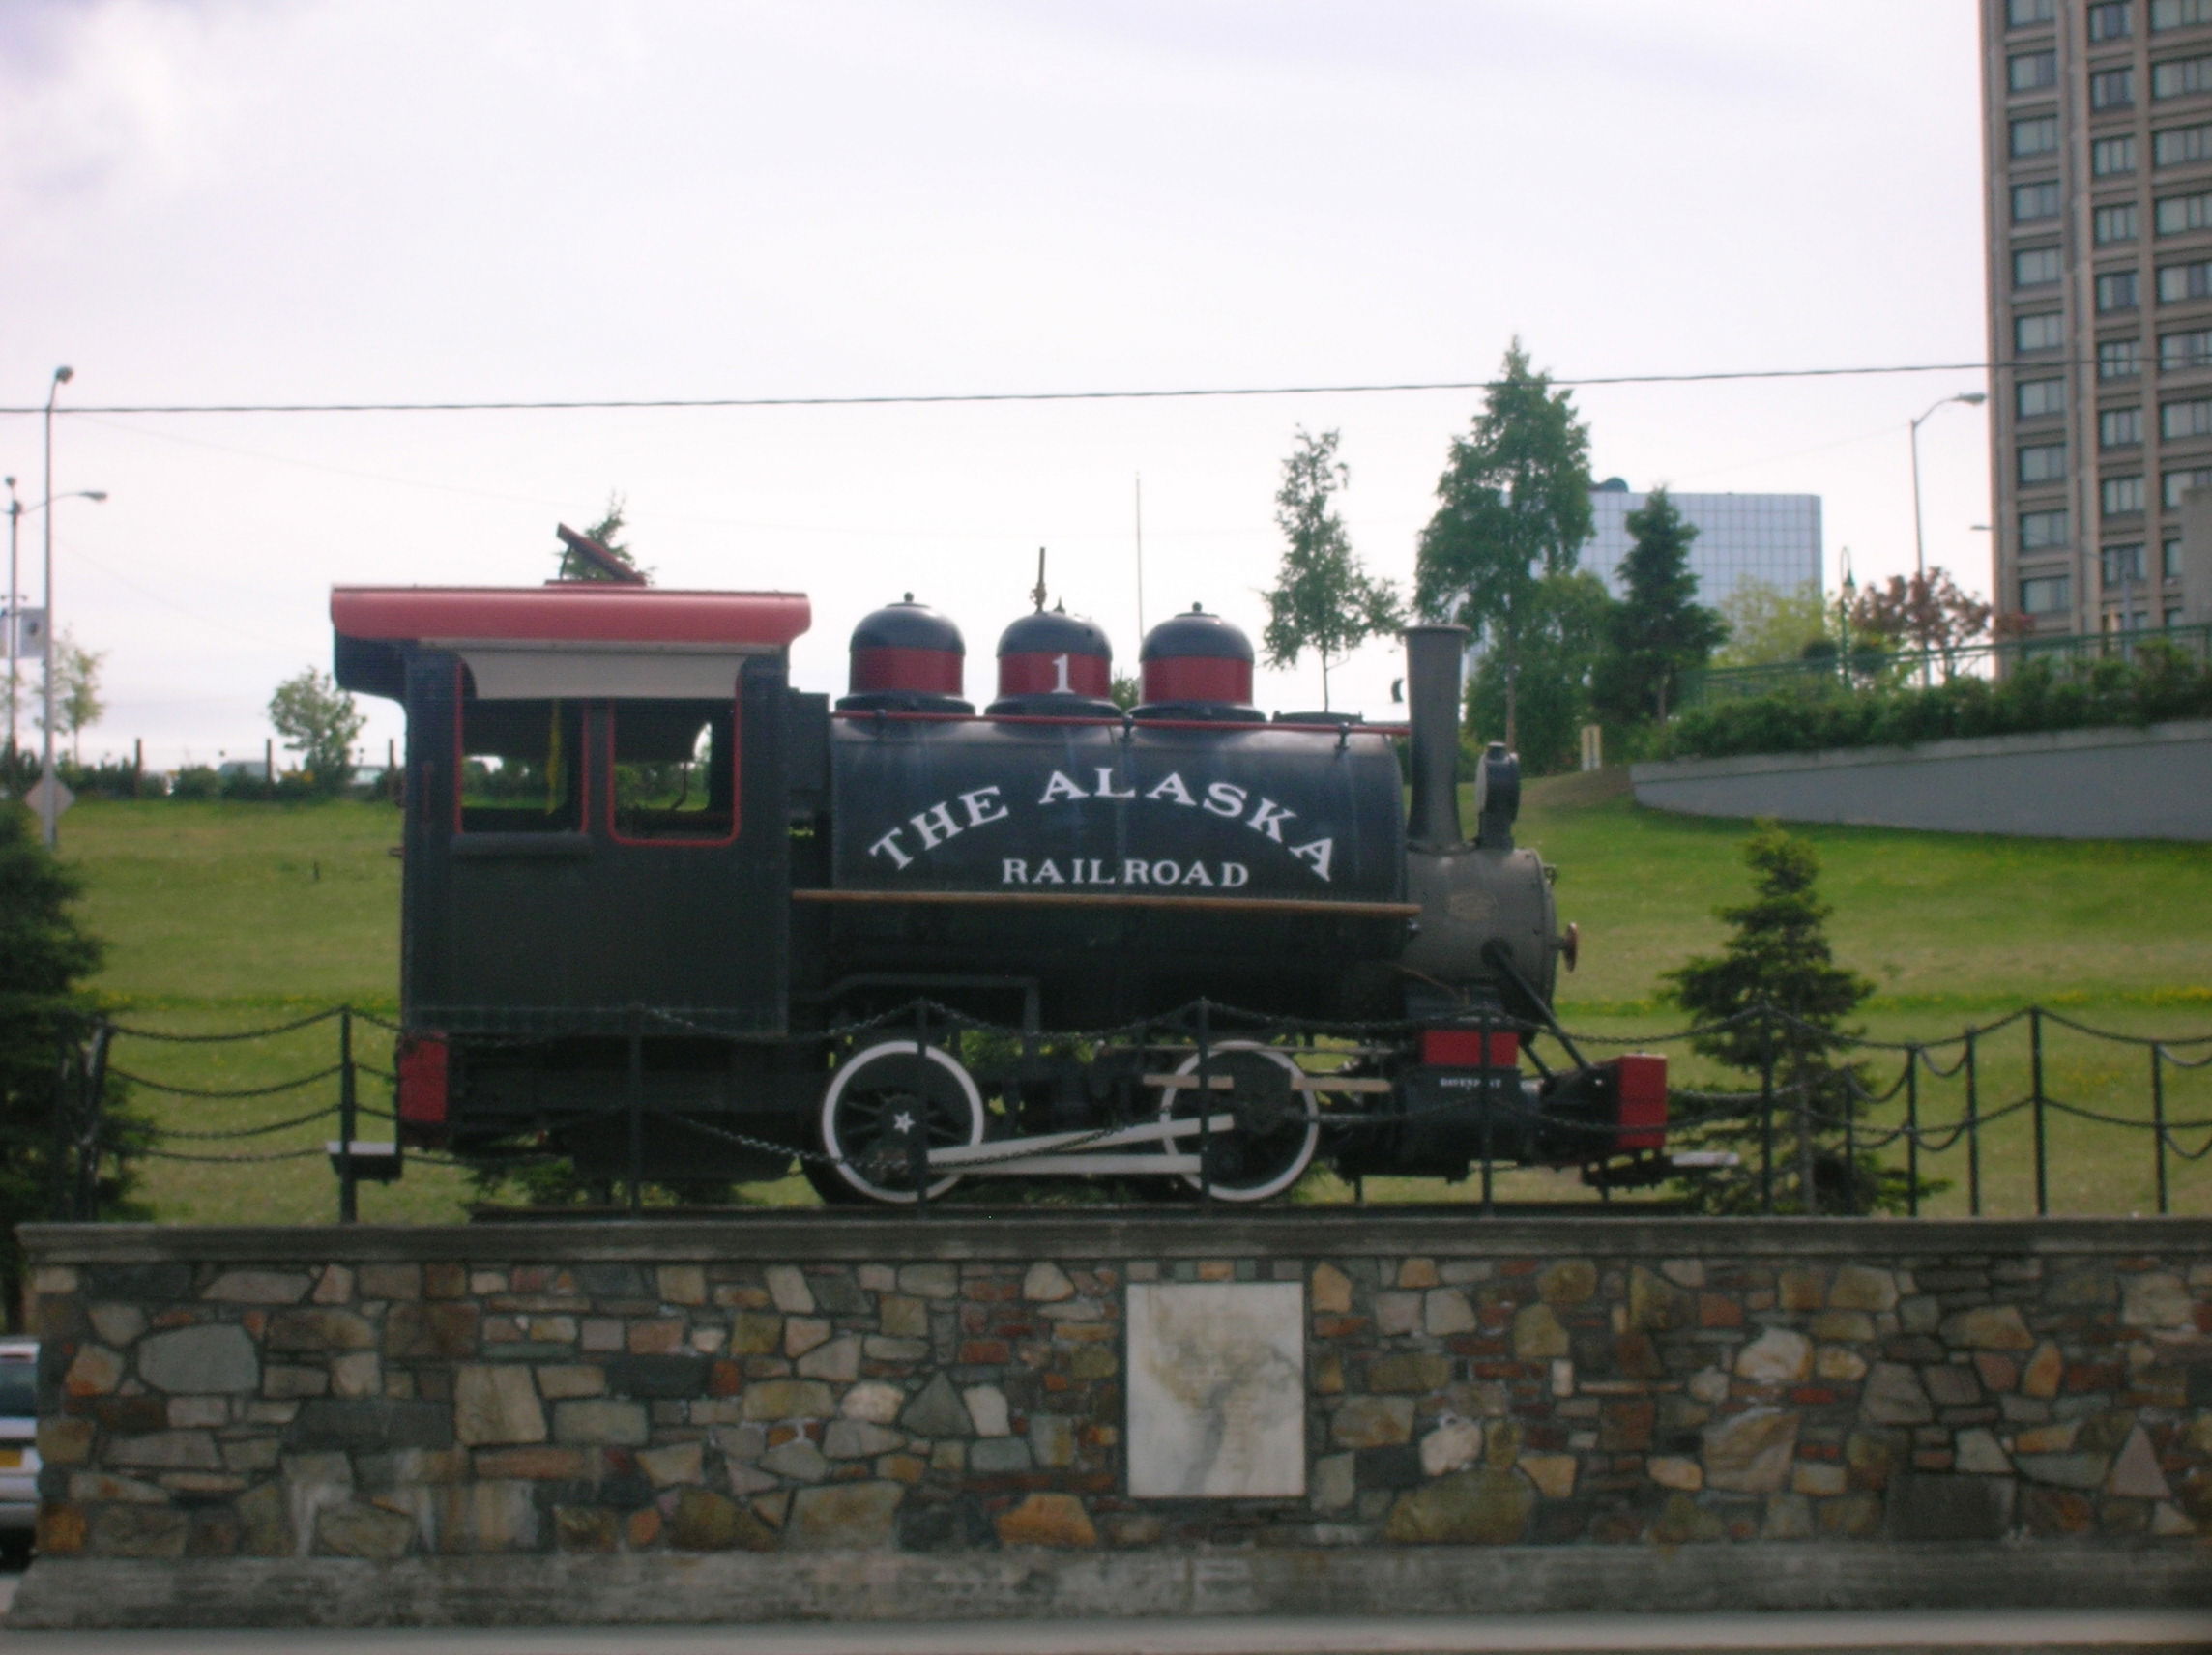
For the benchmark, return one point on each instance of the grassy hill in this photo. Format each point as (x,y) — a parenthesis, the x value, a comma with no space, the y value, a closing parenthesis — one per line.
(236,915)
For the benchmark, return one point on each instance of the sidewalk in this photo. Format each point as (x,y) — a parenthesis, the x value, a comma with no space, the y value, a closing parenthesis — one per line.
(2168,1633)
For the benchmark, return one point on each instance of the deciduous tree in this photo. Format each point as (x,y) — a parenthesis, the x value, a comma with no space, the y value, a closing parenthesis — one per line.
(1563,640)
(1324,599)
(1769,624)
(77,701)
(318,721)
(1512,507)
(1929,611)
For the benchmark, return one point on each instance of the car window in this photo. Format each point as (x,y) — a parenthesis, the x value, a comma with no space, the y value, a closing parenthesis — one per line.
(18,1390)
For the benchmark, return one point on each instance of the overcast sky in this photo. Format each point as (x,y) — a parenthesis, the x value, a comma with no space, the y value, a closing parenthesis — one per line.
(261,201)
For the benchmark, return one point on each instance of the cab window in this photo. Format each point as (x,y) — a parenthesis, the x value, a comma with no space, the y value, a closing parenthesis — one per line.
(521,766)
(674,770)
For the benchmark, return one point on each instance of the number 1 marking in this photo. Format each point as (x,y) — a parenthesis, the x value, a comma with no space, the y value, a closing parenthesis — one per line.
(1060,667)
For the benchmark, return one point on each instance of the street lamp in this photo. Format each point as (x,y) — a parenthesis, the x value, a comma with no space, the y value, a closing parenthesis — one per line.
(13,607)
(50,802)
(1972,398)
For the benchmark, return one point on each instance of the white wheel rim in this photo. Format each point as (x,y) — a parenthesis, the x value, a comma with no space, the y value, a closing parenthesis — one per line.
(1298,1163)
(843,1166)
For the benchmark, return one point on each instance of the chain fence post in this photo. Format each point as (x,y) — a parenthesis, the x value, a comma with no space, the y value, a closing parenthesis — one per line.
(1912,1132)
(349,1185)
(1488,1097)
(1204,1102)
(1765,1113)
(918,1136)
(2035,1068)
(86,1208)
(636,1102)
(2158,1117)
(1973,1127)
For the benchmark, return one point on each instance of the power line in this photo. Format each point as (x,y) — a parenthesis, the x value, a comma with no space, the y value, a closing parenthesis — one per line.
(924,399)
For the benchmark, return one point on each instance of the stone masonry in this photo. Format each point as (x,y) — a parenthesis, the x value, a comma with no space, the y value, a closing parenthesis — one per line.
(954,1385)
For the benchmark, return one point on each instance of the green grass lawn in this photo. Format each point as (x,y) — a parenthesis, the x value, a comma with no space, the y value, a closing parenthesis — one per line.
(222,916)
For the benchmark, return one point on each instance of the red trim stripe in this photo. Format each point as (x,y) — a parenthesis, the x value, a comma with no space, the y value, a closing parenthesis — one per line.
(886,666)
(1038,674)
(595,612)
(1198,678)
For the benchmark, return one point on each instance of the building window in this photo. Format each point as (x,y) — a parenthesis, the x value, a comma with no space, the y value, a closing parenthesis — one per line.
(2181,76)
(2120,429)
(2179,483)
(2178,14)
(2179,214)
(2119,359)
(2032,203)
(2036,266)
(2020,14)
(2040,531)
(2122,496)
(2116,291)
(2177,352)
(2033,72)
(2041,331)
(2043,462)
(2110,156)
(2046,595)
(2179,145)
(2111,21)
(2113,89)
(2169,558)
(2037,135)
(2123,563)
(2177,282)
(2115,224)
(2035,398)
(2178,421)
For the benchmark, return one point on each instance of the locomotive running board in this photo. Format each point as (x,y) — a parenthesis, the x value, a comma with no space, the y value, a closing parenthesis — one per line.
(1043,1153)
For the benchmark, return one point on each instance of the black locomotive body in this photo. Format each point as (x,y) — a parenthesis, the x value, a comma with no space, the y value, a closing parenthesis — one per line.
(666,916)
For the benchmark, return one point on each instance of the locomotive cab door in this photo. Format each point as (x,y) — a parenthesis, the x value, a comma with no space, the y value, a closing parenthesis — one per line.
(583,855)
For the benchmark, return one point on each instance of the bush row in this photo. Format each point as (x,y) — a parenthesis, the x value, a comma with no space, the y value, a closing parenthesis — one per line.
(2160,683)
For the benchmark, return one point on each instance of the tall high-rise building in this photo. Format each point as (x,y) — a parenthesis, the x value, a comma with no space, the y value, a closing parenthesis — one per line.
(1769,537)
(2098,134)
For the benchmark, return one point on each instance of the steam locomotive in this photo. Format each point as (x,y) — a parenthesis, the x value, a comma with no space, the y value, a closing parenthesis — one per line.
(666,916)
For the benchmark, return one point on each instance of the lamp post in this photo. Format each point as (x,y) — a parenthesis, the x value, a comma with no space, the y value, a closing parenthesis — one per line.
(17,512)
(1972,398)
(49,803)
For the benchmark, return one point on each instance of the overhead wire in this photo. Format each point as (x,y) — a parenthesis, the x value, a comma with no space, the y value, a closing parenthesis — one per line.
(938,398)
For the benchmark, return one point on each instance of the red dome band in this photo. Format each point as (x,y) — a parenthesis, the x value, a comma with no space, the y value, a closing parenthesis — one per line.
(1040,675)
(1198,678)
(885,667)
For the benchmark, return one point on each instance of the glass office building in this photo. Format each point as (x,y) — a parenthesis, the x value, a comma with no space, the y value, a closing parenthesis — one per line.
(1770,538)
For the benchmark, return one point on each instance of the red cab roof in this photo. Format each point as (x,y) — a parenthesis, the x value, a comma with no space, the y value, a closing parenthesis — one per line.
(595,612)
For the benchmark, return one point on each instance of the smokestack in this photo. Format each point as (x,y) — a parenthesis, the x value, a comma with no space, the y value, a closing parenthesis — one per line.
(1432,657)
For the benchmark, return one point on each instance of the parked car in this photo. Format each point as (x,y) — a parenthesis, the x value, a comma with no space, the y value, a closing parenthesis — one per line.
(19,1443)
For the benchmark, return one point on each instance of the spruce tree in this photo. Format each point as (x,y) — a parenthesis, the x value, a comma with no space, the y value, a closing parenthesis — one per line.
(44,1020)
(1773,1003)
(1658,630)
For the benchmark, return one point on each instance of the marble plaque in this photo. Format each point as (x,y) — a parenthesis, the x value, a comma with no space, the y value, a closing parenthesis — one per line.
(1217,1391)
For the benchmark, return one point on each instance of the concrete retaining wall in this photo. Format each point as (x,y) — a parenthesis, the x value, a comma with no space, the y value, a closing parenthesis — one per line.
(2154,783)
(857,1417)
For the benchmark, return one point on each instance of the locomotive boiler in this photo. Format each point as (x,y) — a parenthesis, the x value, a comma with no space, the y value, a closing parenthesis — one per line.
(670,917)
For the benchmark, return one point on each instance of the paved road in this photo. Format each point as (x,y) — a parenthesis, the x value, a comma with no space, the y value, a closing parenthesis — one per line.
(1902,1634)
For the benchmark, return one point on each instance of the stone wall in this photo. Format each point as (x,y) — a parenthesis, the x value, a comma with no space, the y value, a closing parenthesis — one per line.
(2154,783)
(239,1423)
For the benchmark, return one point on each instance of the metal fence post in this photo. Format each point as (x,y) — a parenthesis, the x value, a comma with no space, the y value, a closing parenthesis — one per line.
(1765,1114)
(2035,1066)
(1973,1130)
(1488,1097)
(2158,1116)
(1912,1132)
(636,1100)
(349,1186)
(918,1140)
(1205,1103)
